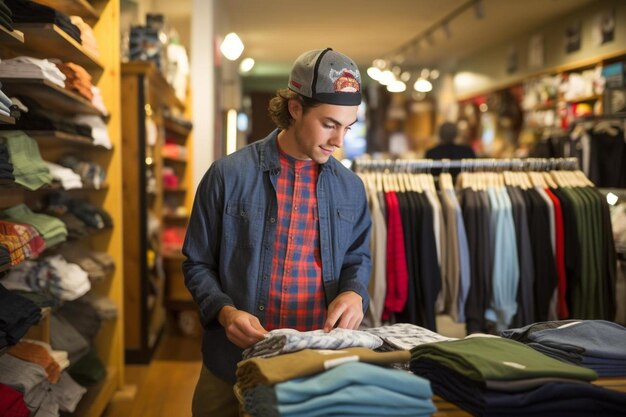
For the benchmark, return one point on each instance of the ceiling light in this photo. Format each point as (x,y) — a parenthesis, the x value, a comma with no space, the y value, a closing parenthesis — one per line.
(231,46)
(483,107)
(380,63)
(246,65)
(422,85)
(425,73)
(396,86)
(386,77)
(374,73)
(405,76)
(434,74)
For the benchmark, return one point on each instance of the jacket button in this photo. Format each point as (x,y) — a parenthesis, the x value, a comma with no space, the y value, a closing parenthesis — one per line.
(261,308)
(265,277)
(272,220)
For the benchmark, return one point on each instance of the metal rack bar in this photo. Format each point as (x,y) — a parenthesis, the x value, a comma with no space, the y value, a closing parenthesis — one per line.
(471,165)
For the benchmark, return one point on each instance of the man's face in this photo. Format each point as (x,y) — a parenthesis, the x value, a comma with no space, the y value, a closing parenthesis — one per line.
(320,130)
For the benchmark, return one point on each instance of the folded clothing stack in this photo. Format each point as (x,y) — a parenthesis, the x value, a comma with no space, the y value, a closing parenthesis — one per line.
(26,11)
(87,38)
(17,315)
(28,67)
(77,79)
(50,228)
(68,178)
(34,117)
(91,174)
(22,241)
(6,167)
(353,388)
(29,169)
(52,275)
(492,376)
(595,344)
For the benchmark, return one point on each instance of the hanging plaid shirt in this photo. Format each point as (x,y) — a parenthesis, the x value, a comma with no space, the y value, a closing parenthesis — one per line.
(296,295)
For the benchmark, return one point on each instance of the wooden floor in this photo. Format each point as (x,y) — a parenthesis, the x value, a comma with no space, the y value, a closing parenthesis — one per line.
(164,388)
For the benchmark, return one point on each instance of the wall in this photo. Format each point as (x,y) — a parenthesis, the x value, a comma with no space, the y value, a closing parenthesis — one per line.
(486,71)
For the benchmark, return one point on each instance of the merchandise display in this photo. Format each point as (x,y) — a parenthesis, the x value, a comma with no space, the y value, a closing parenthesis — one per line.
(498,277)
(60,327)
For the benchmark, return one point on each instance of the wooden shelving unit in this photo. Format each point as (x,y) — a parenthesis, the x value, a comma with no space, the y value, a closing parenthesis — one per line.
(46,40)
(49,41)
(146,95)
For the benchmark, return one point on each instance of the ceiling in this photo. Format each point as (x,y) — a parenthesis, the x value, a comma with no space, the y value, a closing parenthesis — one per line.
(275,32)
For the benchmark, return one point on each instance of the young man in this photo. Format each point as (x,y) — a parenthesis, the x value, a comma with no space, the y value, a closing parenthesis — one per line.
(279,233)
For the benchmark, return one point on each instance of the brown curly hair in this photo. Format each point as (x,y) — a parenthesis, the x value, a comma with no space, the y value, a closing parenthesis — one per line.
(279,109)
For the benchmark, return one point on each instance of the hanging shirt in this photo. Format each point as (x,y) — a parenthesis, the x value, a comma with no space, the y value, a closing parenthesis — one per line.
(296,294)
(397,275)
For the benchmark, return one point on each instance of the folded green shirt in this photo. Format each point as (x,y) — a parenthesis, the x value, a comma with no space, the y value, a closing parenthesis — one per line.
(495,358)
(28,167)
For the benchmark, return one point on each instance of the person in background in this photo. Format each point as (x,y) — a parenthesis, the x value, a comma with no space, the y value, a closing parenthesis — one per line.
(447,149)
(279,232)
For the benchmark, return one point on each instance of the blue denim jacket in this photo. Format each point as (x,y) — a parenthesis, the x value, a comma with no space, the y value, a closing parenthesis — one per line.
(230,241)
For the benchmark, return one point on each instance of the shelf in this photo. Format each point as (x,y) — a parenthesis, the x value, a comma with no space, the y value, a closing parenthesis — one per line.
(73,8)
(549,105)
(7,120)
(175,217)
(173,126)
(163,92)
(179,305)
(97,397)
(177,257)
(60,138)
(174,160)
(585,98)
(47,40)
(49,95)
(8,184)
(175,190)
(8,38)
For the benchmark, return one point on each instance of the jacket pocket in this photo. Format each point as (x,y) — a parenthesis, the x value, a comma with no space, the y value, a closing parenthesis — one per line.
(243,224)
(345,219)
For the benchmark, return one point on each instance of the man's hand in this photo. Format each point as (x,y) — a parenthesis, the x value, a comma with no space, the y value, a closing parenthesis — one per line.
(242,328)
(348,306)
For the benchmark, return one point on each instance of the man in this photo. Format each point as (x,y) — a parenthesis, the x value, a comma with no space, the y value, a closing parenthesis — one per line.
(447,149)
(279,233)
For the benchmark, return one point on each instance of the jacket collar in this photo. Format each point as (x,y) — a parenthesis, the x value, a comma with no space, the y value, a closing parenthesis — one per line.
(269,157)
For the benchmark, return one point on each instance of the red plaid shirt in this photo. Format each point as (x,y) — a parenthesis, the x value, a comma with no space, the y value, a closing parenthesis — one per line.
(296,296)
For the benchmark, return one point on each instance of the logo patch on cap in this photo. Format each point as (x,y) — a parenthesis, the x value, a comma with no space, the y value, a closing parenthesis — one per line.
(345,81)
(296,84)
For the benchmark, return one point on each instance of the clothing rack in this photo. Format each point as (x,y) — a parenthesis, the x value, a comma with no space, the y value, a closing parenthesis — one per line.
(465,165)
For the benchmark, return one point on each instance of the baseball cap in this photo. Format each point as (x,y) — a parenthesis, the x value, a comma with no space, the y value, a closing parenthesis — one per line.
(326,76)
